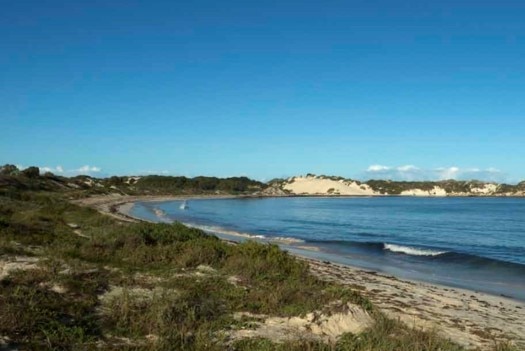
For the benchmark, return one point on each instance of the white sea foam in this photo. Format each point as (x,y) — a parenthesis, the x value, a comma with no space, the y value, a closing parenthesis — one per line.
(285,240)
(223,231)
(412,250)
(162,215)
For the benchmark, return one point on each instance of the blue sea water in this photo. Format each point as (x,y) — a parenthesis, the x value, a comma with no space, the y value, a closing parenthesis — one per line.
(473,243)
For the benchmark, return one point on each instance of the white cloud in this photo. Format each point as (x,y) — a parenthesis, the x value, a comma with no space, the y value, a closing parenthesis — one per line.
(57,169)
(412,173)
(150,172)
(490,174)
(448,173)
(407,168)
(84,170)
(405,172)
(87,169)
(377,168)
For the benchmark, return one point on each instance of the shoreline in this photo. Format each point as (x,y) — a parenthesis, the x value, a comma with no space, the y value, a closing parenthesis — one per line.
(470,318)
(111,205)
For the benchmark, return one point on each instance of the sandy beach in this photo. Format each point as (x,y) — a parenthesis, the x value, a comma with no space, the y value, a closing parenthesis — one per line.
(470,318)
(473,319)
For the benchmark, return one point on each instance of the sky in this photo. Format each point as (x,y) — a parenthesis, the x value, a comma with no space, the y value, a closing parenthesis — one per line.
(361,89)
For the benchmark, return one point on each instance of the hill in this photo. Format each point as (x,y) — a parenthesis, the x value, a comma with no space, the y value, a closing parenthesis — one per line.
(338,186)
(308,185)
(80,186)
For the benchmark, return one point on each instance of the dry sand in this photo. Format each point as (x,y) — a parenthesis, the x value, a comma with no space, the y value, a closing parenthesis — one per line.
(313,325)
(470,318)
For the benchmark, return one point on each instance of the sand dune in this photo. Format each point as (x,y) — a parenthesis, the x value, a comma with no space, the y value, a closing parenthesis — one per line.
(312,185)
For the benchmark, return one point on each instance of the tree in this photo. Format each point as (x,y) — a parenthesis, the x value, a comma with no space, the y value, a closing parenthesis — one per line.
(9,170)
(31,172)
(115,180)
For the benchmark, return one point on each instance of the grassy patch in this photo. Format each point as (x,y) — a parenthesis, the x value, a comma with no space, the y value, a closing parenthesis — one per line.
(34,315)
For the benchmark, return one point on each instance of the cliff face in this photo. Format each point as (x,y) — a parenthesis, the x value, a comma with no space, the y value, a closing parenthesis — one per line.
(334,186)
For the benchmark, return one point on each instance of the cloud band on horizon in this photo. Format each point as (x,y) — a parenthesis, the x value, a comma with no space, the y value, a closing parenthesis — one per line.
(414,173)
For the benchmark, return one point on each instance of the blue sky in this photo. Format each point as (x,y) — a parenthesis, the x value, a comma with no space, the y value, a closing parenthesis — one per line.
(362,89)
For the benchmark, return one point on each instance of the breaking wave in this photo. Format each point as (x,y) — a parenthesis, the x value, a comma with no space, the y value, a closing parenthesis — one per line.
(223,231)
(412,250)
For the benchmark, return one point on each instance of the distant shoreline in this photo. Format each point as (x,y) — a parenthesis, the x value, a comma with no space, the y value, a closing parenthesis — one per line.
(112,205)
(413,302)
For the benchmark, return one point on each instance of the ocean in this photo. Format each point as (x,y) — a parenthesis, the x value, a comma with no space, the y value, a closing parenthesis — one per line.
(472,243)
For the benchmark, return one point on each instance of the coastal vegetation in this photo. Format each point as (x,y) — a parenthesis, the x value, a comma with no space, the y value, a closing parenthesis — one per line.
(84,185)
(72,278)
(30,178)
(232,185)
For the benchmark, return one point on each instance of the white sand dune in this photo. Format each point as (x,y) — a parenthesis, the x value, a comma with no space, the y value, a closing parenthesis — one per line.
(335,186)
(312,185)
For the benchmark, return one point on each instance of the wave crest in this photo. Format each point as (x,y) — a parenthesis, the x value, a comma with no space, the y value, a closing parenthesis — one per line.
(412,250)
(219,230)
